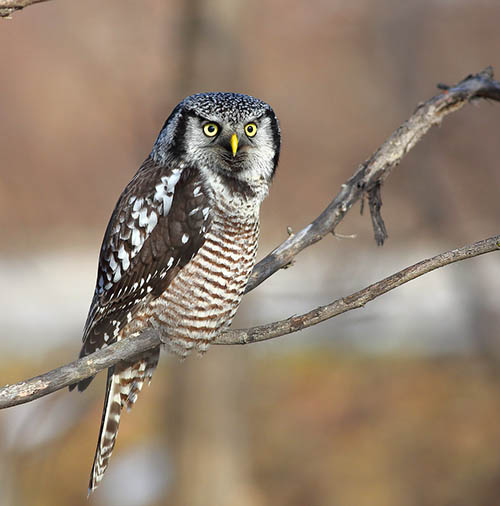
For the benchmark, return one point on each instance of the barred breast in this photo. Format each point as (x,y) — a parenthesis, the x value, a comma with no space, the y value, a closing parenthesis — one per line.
(206,293)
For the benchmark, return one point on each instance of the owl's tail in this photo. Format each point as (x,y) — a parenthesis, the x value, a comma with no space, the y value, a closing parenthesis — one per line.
(124,383)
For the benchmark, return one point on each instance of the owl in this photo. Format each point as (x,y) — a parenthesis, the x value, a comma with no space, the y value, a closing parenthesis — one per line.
(181,242)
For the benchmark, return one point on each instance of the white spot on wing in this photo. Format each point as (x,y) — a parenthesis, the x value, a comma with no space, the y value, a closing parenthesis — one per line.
(112,262)
(164,190)
(121,252)
(124,257)
(117,274)
(143,217)
(136,237)
(167,203)
(138,204)
(184,239)
(153,220)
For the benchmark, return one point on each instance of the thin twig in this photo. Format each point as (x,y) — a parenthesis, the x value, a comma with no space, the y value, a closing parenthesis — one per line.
(34,388)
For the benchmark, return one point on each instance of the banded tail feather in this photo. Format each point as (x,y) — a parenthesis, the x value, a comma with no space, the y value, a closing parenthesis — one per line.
(124,383)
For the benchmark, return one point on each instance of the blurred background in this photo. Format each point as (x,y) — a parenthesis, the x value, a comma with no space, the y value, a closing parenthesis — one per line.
(395,404)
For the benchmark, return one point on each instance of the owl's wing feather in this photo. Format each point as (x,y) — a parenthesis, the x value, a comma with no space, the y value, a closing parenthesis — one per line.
(157,226)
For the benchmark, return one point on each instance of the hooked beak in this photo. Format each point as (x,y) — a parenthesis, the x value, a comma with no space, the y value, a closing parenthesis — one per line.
(234,144)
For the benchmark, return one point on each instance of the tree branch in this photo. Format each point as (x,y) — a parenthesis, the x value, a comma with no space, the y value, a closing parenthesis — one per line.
(376,169)
(367,180)
(357,299)
(34,388)
(7,7)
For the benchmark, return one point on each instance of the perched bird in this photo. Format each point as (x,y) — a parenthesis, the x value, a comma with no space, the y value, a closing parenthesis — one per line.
(181,242)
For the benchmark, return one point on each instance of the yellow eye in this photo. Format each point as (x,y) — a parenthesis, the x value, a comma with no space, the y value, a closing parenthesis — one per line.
(251,129)
(210,129)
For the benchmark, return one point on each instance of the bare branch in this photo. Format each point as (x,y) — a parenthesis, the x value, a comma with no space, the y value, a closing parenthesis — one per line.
(358,299)
(26,391)
(366,180)
(377,168)
(39,386)
(8,7)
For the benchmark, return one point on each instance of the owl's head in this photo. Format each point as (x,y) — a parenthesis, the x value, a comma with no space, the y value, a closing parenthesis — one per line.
(234,136)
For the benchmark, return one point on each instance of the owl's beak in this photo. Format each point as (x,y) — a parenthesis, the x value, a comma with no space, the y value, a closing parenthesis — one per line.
(234,144)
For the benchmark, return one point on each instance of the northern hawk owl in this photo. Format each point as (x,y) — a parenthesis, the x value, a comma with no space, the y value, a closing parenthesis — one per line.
(181,242)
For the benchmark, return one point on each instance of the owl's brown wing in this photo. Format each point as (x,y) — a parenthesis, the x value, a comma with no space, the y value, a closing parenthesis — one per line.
(158,225)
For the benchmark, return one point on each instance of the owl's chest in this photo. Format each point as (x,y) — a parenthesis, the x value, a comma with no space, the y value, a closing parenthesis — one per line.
(205,294)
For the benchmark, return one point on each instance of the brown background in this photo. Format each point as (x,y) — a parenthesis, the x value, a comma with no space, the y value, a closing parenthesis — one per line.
(396,404)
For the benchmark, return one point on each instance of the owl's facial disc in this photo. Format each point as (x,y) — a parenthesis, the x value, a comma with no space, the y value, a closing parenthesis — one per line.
(229,134)
(222,145)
